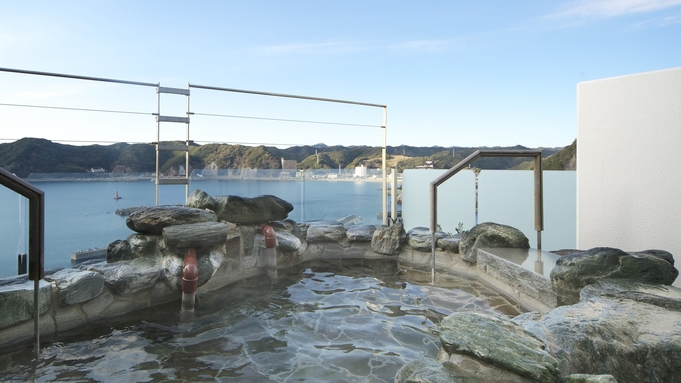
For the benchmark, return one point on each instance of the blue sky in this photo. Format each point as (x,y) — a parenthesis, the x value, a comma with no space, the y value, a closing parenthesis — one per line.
(452,73)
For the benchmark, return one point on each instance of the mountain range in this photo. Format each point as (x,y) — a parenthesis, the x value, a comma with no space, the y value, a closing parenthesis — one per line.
(36,155)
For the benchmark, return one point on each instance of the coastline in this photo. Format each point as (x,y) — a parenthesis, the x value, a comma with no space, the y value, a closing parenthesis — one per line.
(71,178)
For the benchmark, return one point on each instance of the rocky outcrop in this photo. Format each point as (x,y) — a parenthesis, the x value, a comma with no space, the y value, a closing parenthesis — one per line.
(450,242)
(360,233)
(287,242)
(128,277)
(573,272)
(201,200)
(76,286)
(624,328)
(388,239)
(490,234)
(420,238)
(504,347)
(152,220)
(143,245)
(257,210)
(119,250)
(325,232)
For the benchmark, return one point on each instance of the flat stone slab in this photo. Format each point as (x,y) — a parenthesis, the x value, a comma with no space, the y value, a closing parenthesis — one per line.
(196,235)
(152,220)
(574,271)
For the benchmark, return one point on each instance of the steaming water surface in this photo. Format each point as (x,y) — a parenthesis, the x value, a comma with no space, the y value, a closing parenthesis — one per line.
(333,320)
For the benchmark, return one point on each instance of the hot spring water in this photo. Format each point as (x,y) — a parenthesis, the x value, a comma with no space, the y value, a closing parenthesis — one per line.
(326,320)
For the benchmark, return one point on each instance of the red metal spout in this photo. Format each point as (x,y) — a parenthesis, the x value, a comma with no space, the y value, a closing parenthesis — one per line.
(190,279)
(190,272)
(270,238)
(270,250)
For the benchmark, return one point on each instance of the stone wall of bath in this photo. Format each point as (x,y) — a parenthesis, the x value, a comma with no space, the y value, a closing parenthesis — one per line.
(604,285)
(97,290)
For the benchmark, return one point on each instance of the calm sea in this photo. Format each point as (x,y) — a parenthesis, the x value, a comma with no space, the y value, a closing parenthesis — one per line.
(81,215)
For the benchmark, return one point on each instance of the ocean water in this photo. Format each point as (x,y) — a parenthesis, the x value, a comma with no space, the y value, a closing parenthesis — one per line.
(81,215)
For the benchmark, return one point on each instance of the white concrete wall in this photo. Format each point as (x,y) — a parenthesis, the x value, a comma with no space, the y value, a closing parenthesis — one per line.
(629,162)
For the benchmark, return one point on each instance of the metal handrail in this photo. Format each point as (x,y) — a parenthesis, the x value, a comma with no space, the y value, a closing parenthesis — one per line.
(36,239)
(538,189)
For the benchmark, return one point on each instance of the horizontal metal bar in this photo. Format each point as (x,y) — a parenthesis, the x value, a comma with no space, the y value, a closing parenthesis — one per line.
(484,153)
(184,120)
(173,181)
(285,95)
(183,148)
(538,184)
(161,89)
(76,77)
(18,185)
(510,153)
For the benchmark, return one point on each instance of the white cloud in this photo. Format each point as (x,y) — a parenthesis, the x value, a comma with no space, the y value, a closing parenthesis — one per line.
(612,8)
(659,23)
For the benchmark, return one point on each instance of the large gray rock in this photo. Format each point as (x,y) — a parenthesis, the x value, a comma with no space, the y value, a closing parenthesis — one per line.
(360,233)
(251,211)
(196,235)
(388,239)
(623,328)
(119,250)
(127,277)
(326,231)
(143,245)
(201,200)
(420,238)
(450,242)
(152,220)
(302,227)
(499,342)
(573,272)
(76,286)
(287,242)
(490,234)
(16,300)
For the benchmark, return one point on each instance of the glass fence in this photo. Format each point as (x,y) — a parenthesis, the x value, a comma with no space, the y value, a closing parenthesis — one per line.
(80,208)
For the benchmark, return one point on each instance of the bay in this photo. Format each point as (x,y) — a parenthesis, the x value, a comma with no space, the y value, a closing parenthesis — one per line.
(81,215)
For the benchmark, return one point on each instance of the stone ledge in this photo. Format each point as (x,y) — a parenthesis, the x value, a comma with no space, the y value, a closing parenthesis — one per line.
(508,270)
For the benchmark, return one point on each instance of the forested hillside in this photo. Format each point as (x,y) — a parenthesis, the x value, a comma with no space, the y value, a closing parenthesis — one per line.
(35,155)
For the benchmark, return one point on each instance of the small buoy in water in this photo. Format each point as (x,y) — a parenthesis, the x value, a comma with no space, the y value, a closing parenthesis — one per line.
(116,197)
